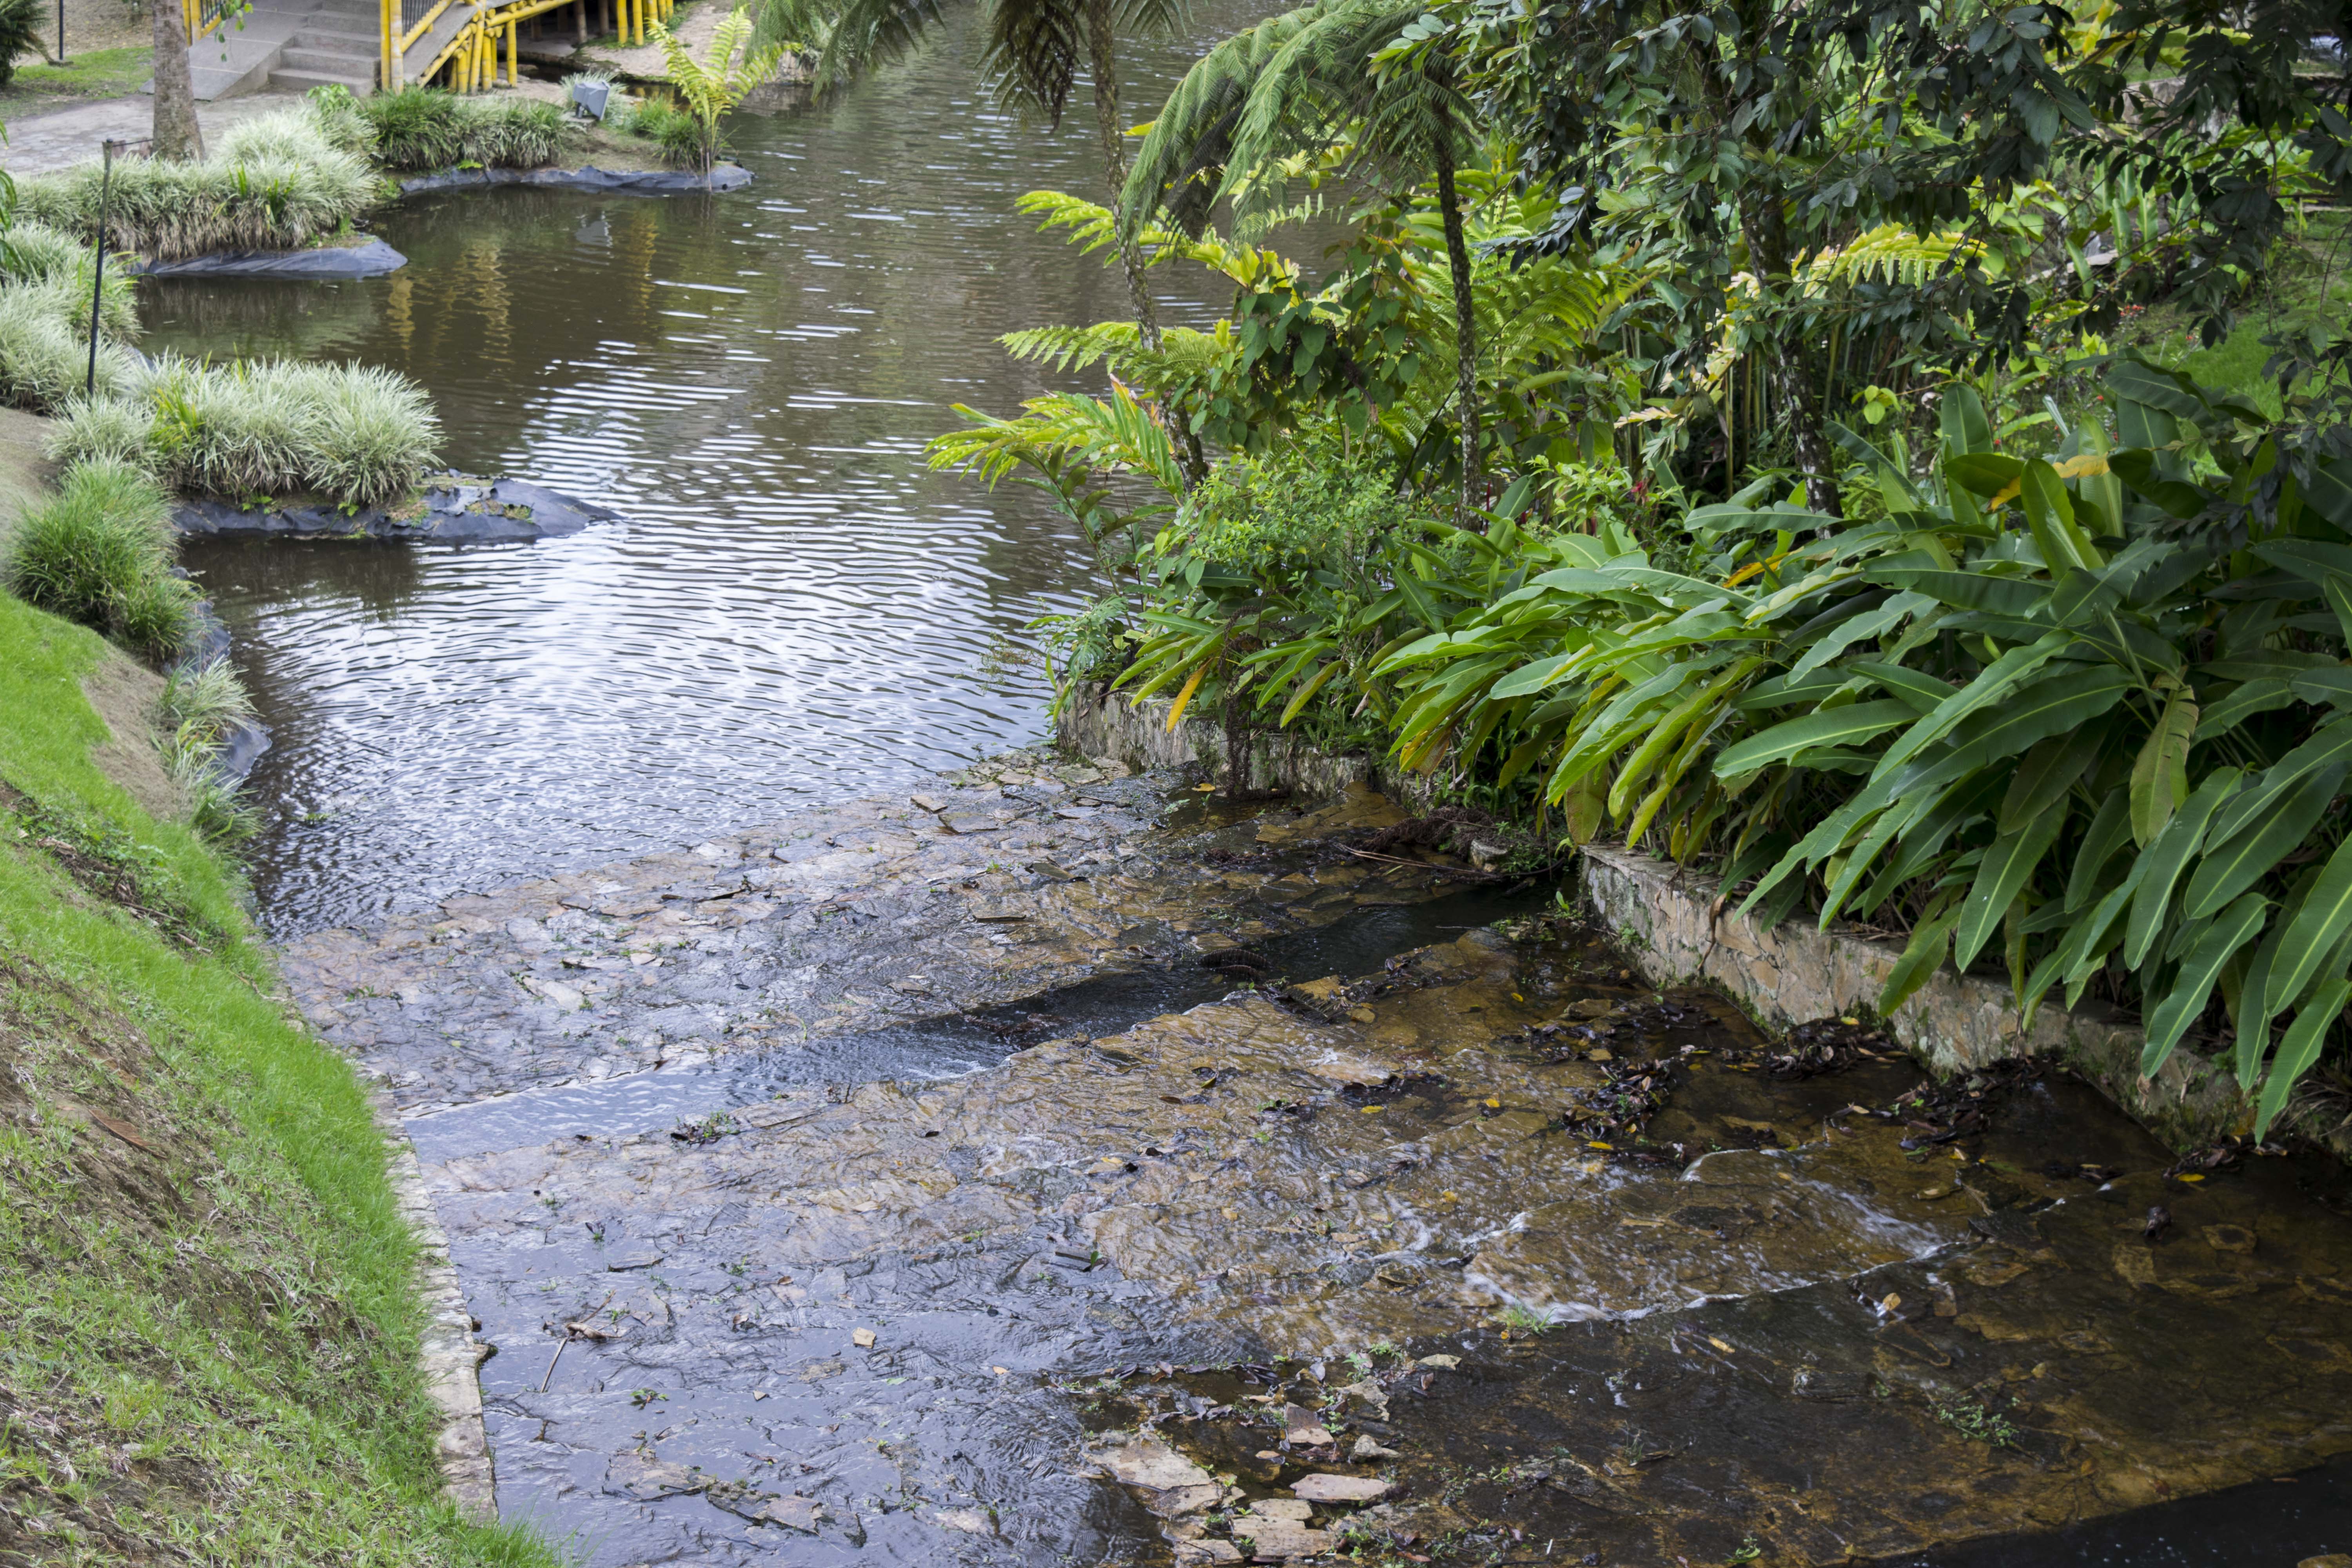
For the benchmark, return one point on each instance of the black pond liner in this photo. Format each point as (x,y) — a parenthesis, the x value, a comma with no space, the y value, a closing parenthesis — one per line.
(952,1045)
(2263,1524)
(639,182)
(372,259)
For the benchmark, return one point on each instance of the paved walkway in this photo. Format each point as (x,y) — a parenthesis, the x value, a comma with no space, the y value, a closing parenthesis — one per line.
(43,143)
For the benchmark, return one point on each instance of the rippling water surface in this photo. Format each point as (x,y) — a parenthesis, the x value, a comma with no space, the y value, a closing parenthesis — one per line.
(795,609)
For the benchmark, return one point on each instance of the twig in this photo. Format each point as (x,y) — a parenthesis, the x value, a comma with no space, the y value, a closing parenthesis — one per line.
(1425,866)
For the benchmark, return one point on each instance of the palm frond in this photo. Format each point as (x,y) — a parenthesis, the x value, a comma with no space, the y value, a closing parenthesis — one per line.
(1182,164)
(1031,60)
(868,32)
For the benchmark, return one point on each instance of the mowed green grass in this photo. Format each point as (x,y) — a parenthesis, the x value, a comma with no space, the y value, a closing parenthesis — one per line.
(212,1321)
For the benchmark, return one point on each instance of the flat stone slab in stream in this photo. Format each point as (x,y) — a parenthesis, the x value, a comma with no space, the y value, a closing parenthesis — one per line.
(1476,1243)
(640,182)
(446,511)
(372,259)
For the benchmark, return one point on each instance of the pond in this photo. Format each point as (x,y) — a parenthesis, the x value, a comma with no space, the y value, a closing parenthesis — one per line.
(795,608)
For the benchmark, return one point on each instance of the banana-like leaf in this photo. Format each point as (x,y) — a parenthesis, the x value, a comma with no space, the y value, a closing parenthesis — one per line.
(2000,876)
(2164,859)
(2313,559)
(2300,1048)
(1966,590)
(1983,473)
(2159,777)
(2331,744)
(1964,427)
(1995,681)
(2265,694)
(2046,774)
(2193,982)
(2228,869)
(2050,514)
(1844,726)
(2108,830)
(2322,921)
(1922,691)
(2330,688)
(1922,956)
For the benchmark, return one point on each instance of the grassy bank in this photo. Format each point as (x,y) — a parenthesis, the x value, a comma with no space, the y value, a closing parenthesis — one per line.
(212,1321)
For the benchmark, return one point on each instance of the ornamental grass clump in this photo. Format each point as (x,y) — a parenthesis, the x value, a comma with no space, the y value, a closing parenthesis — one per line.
(273,198)
(45,357)
(358,434)
(422,128)
(99,552)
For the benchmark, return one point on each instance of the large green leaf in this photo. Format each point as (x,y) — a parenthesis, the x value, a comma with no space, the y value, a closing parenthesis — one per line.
(2046,773)
(2160,776)
(2164,859)
(2110,827)
(1966,590)
(1844,726)
(1922,691)
(2193,981)
(2316,929)
(2232,866)
(1992,683)
(2141,475)
(2263,695)
(2050,514)
(1964,427)
(2301,1047)
(2000,876)
(2313,559)
(2330,744)
(1930,940)
(1984,473)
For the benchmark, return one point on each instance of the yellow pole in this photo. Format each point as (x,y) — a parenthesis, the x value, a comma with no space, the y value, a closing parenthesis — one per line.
(514,76)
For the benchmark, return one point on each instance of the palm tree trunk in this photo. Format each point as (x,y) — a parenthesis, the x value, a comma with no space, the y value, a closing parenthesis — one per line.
(178,134)
(1465,331)
(1768,246)
(1104,64)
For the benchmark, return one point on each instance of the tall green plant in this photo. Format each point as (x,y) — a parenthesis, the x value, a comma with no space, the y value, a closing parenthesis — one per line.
(712,87)
(1313,81)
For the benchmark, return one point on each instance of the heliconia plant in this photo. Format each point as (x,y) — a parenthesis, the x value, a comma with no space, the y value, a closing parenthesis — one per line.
(2093,712)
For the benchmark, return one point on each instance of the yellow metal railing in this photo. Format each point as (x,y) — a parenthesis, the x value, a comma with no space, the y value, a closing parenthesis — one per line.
(469,62)
(202,16)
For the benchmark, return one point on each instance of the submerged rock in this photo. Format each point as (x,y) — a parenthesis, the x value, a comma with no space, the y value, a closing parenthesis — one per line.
(454,510)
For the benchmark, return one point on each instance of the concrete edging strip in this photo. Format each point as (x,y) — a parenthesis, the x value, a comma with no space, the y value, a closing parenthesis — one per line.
(449,1356)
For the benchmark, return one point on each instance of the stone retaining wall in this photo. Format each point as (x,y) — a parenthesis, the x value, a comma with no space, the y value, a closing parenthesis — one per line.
(1667,920)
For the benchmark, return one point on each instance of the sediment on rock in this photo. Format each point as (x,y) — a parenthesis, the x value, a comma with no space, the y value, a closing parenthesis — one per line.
(1675,928)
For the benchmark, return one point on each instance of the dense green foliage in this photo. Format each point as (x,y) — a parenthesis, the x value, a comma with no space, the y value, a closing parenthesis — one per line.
(20,34)
(1828,508)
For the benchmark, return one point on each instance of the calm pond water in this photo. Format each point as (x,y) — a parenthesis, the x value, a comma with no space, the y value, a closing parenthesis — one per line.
(795,609)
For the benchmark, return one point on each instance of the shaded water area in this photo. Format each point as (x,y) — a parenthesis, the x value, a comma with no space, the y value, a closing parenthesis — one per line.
(794,610)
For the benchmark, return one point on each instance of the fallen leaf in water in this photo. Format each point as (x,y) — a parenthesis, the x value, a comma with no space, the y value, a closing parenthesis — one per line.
(1494,1103)
(862,1337)
(1000,1372)
(1890,1303)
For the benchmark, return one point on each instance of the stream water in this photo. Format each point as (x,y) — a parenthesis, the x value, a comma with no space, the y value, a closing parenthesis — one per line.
(795,609)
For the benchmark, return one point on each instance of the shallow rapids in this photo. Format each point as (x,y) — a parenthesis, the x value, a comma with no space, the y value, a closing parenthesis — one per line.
(1473,1248)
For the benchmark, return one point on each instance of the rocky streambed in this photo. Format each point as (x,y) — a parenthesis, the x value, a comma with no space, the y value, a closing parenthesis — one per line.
(1065,1167)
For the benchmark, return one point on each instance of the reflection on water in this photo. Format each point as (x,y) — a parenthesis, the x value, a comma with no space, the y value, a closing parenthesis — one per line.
(795,608)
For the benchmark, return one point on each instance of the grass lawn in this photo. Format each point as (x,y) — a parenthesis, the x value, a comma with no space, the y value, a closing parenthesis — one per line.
(100,73)
(212,1320)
